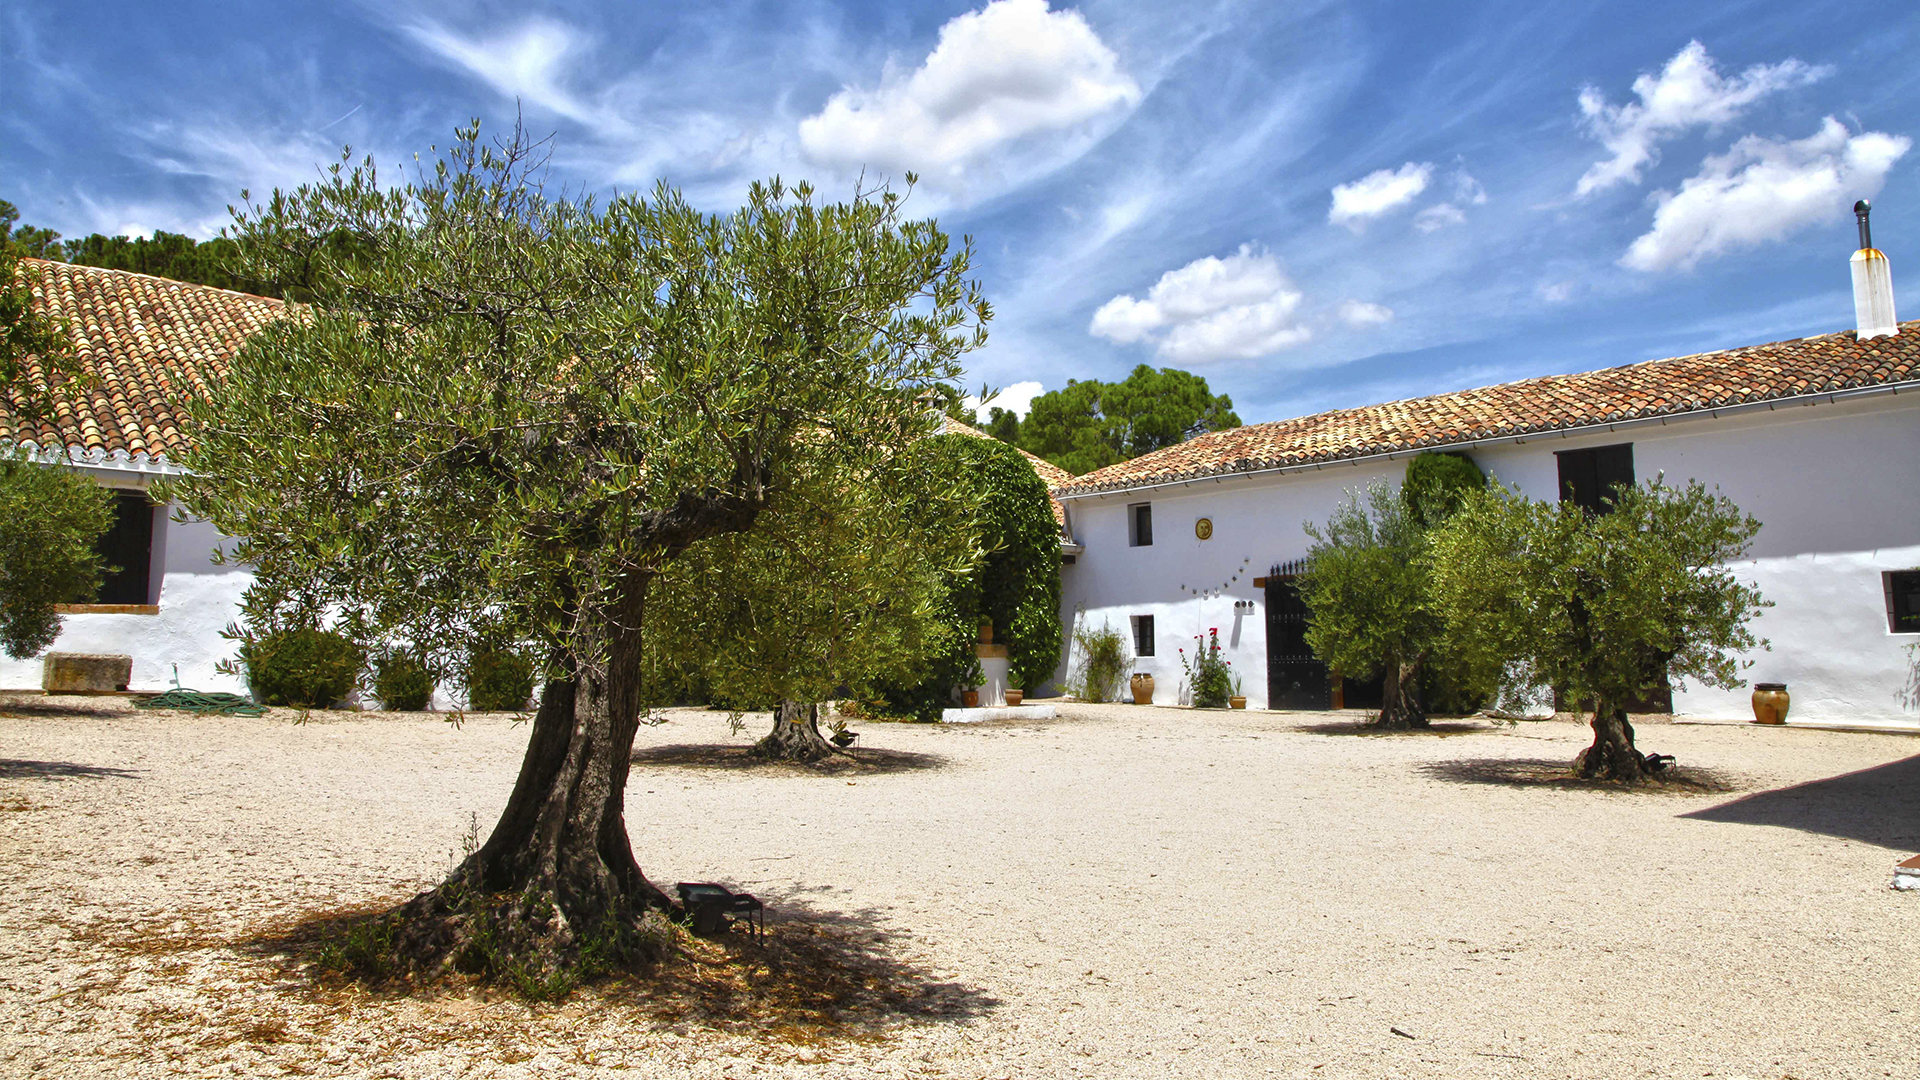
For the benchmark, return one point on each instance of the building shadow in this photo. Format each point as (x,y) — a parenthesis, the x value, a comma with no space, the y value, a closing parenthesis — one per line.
(867,761)
(1878,806)
(1558,773)
(16,769)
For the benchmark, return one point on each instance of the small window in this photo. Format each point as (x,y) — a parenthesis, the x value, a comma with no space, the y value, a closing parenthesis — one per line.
(127,549)
(1140,525)
(1903,600)
(1143,635)
(1588,477)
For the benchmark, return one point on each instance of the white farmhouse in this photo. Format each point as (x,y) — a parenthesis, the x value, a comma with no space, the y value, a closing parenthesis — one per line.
(137,336)
(1818,438)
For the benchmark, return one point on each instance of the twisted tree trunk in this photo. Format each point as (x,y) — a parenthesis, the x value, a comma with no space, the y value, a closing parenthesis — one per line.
(795,735)
(1612,755)
(555,892)
(1400,707)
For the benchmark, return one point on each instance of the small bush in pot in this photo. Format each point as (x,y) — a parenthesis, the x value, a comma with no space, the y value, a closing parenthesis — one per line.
(498,681)
(402,682)
(1207,673)
(307,668)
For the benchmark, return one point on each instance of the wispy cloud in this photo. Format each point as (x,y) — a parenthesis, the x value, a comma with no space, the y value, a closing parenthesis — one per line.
(1762,190)
(1688,93)
(528,62)
(1362,313)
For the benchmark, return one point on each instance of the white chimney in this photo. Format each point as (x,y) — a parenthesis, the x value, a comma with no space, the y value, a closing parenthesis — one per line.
(1872,284)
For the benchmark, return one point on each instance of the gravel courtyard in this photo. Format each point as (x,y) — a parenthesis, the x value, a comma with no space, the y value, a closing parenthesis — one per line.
(1122,892)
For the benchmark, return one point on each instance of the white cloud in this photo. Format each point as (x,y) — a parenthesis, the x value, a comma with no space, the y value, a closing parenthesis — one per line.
(1468,190)
(1000,77)
(1438,216)
(1557,292)
(1016,399)
(1239,307)
(1762,190)
(1362,313)
(1687,93)
(526,62)
(1377,193)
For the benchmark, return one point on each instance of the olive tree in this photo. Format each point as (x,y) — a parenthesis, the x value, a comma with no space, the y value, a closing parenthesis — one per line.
(1603,606)
(510,408)
(837,589)
(1369,588)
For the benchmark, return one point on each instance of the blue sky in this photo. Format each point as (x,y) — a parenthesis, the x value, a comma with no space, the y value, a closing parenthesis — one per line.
(1314,205)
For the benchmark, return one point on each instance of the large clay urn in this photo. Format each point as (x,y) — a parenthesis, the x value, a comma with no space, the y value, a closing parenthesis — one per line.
(1142,686)
(1770,702)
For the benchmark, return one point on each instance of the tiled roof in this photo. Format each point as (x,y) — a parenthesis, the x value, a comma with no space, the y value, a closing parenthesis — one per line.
(130,331)
(1050,474)
(1756,373)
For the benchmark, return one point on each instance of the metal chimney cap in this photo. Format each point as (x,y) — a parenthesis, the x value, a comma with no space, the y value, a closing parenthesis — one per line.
(1862,207)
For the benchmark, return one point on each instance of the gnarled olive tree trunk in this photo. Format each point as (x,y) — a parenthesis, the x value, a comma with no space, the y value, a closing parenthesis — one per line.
(1612,755)
(795,735)
(1400,707)
(557,879)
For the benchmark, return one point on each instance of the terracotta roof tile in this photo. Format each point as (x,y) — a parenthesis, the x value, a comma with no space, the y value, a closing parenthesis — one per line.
(1655,388)
(127,330)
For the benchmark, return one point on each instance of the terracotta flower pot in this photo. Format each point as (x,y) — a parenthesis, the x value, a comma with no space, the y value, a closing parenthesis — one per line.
(1015,697)
(1237,702)
(969,699)
(1142,687)
(1770,702)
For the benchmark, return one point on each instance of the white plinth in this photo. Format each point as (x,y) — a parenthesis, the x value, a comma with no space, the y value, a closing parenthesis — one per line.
(997,712)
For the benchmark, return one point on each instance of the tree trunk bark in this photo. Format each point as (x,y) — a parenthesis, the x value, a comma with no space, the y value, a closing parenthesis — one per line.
(555,894)
(1400,706)
(1612,755)
(795,735)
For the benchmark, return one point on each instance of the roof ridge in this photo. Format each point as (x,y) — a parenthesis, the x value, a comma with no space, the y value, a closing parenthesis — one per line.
(151,277)
(1663,386)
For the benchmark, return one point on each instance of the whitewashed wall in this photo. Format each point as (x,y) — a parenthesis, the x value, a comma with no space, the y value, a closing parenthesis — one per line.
(1833,485)
(197,599)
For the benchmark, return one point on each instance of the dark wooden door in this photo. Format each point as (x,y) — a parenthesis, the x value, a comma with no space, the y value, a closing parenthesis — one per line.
(1295,678)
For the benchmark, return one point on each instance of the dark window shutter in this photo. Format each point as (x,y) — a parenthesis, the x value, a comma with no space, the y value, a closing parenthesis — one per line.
(127,549)
(1143,635)
(1143,525)
(1903,601)
(1587,477)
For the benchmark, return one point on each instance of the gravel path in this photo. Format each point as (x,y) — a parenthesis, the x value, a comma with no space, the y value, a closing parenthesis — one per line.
(1123,892)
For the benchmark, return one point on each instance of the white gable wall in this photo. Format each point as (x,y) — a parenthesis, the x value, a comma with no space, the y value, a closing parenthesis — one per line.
(1834,486)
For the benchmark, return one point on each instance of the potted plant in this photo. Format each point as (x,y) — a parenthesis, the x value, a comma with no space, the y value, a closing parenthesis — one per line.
(1235,700)
(970,677)
(1015,688)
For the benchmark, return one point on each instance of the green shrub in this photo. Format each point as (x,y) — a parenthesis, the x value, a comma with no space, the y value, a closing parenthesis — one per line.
(1103,663)
(1208,673)
(498,681)
(402,682)
(305,668)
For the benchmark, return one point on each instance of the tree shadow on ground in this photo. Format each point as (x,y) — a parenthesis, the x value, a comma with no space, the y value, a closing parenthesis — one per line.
(1436,728)
(1539,773)
(858,762)
(16,769)
(1878,806)
(36,707)
(814,976)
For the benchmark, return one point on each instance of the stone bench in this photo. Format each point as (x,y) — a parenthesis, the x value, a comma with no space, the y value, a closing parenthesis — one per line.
(85,673)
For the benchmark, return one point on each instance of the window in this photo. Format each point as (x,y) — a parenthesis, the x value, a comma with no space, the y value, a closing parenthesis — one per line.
(127,548)
(1587,477)
(1140,525)
(1903,600)
(1143,635)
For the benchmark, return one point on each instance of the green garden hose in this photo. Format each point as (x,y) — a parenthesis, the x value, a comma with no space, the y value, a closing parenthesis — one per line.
(196,701)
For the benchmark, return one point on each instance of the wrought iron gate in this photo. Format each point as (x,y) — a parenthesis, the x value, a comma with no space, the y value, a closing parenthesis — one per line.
(1296,679)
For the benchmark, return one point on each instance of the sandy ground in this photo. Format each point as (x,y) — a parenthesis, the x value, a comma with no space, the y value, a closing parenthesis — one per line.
(1123,892)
